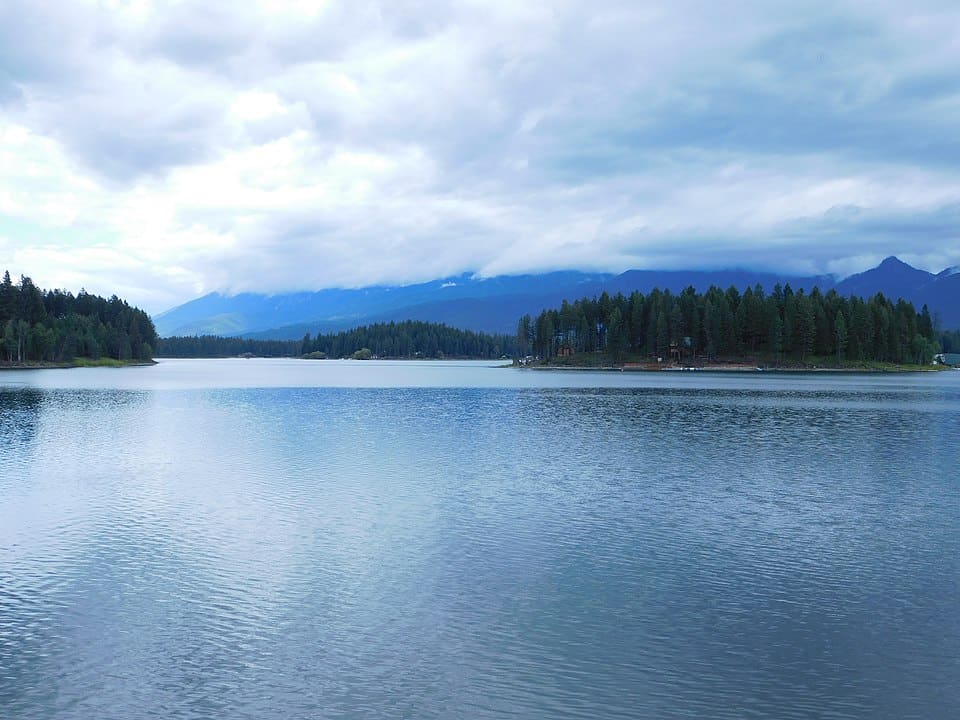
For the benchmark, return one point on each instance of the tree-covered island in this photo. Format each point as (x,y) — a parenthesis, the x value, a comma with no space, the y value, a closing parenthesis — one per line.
(780,329)
(44,328)
(718,328)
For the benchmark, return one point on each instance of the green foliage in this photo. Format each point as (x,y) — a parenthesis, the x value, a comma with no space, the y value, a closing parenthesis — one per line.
(215,346)
(840,327)
(792,326)
(950,341)
(410,339)
(524,333)
(56,326)
(100,362)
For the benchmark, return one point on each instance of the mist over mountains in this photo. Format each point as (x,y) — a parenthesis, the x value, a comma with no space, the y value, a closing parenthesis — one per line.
(494,304)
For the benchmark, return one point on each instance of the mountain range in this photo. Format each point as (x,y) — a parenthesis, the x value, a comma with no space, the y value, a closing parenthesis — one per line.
(495,304)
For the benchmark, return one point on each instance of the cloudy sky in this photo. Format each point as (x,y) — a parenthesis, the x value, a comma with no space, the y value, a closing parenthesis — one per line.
(162,149)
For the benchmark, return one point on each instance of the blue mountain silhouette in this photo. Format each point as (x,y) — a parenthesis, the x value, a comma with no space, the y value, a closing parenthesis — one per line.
(495,304)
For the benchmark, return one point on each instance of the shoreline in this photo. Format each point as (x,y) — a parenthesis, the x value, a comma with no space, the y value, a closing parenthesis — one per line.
(747,370)
(79,363)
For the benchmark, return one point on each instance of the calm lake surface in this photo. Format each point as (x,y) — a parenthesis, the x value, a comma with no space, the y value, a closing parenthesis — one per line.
(295,539)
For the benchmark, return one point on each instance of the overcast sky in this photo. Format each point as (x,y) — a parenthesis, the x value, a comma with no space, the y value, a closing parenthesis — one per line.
(162,149)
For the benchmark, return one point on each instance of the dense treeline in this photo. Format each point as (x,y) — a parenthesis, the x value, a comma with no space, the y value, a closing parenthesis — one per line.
(214,346)
(56,326)
(412,338)
(950,341)
(783,325)
(396,339)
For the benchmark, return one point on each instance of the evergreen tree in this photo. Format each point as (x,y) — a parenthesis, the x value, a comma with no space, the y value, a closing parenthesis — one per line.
(785,325)
(523,335)
(841,326)
(616,335)
(56,326)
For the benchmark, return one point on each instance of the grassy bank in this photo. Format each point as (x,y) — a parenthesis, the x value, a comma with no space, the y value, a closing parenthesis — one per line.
(110,362)
(75,363)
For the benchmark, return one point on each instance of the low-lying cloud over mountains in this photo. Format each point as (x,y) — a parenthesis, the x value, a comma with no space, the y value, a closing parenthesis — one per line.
(163,150)
(495,304)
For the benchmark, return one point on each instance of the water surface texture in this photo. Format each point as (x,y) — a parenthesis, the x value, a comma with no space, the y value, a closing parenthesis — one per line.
(293,539)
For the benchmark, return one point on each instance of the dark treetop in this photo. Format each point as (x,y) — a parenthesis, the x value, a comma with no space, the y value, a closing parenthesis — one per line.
(407,339)
(783,325)
(55,326)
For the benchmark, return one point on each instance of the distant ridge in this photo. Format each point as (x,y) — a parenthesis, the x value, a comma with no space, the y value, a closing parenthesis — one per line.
(896,279)
(892,277)
(494,304)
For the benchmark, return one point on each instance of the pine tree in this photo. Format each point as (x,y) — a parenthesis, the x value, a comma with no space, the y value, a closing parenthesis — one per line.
(841,332)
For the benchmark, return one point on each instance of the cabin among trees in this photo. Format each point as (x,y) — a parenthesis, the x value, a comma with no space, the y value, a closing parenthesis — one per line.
(782,325)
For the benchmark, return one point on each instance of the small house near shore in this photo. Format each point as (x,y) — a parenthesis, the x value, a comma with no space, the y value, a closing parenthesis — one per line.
(947,359)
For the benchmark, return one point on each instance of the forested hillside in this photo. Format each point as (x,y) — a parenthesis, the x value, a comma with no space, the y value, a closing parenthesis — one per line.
(782,326)
(395,339)
(57,326)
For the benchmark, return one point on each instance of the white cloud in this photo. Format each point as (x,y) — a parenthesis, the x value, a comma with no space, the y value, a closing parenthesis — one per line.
(172,148)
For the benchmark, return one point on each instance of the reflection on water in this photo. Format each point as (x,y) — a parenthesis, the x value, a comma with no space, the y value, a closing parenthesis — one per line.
(709,547)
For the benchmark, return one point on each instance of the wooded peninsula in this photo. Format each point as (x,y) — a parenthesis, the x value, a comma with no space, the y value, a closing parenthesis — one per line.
(54,327)
(780,329)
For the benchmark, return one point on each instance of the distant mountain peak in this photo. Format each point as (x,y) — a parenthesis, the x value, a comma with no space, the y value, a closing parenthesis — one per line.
(893,261)
(493,304)
(893,275)
(893,268)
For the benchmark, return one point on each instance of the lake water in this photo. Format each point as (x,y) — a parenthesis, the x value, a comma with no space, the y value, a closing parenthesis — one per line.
(294,539)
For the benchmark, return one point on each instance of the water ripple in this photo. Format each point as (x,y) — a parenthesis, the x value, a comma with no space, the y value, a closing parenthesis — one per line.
(673,552)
